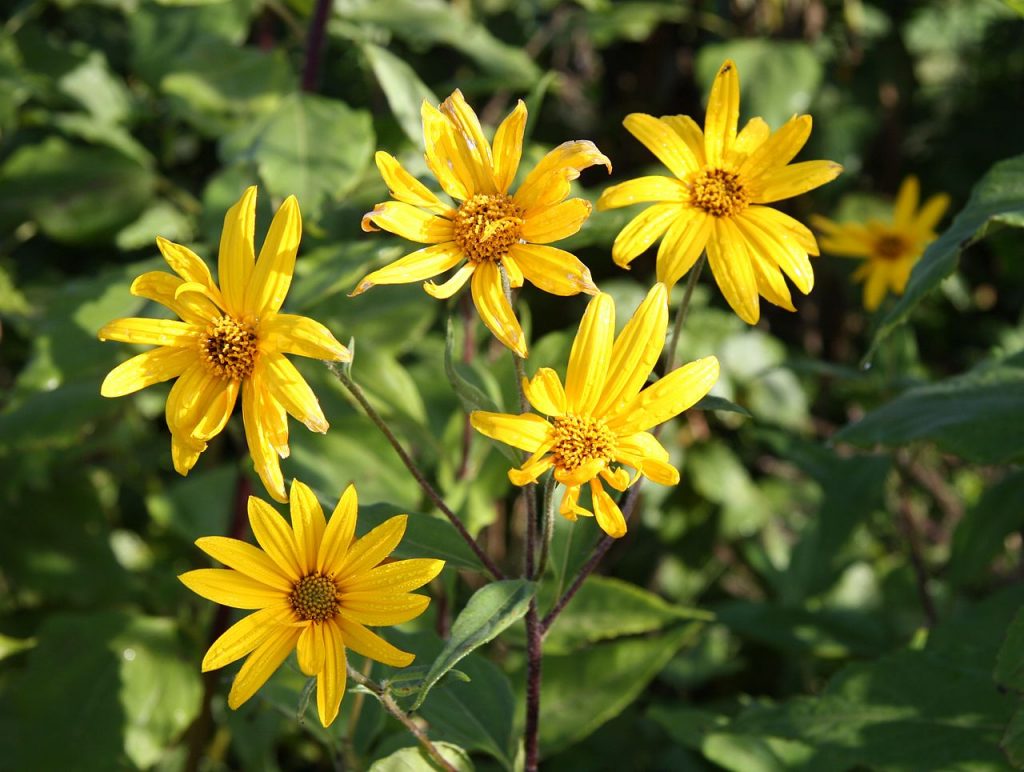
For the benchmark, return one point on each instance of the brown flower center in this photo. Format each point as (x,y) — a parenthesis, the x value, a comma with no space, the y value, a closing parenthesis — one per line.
(314,598)
(229,349)
(579,439)
(718,192)
(486,227)
(891,246)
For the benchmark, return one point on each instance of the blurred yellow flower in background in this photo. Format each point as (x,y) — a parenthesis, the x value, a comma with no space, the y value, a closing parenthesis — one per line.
(601,416)
(488,227)
(889,249)
(714,201)
(316,588)
(230,339)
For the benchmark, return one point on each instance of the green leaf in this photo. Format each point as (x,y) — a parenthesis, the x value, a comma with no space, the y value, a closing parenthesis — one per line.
(416,759)
(471,396)
(981,533)
(998,198)
(978,416)
(1013,739)
(491,610)
(1010,663)
(426,536)
(720,403)
(403,89)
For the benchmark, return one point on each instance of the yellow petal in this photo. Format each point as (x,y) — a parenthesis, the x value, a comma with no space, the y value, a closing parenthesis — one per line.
(723,114)
(581,474)
(619,479)
(442,156)
(643,190)
(217,410)
(679,390)
(875,287)
(569,507)
(372,608)
(454,283)
(311,650)
(545,392)
(185,452)
(291,334)
(372,548)
(548,183)
(513,271)
(733,272)
(409,223)
(406,188)
(246,635)
(152,332)
(189,266)
(527,431)
(261,448)
(273,421)
(470,141)
(189,398)
(779,149)
(371,645)
(662,140)
(275,537)
(308,523)
(590,356)
(416,266)
(642,231)
(330,684)
(495,310)
(556,222)
(643,452)
(682,246)
(609,516)
(906,202)
(553,270)
(261,664)
(400,576)
(272,275)
(689,132)
(636,351)
(508,147)
(779,246)
(777,222)
(237,256)
(288,387)
(931,213)
(231,588)
(338,534)
(792,180)
(533,468)
(153,366)
(770,283)
(753,135)
(161,287)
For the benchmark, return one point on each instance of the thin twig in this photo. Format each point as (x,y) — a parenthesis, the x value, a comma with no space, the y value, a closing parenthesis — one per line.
(684,308)
(547,525)
(315,45)
(424,484)
(534,642)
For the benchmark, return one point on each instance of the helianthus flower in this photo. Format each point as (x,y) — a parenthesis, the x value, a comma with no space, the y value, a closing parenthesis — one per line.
(487,227)
(229,339)
(316,588)
(715,201)
(889,249)
(601,417)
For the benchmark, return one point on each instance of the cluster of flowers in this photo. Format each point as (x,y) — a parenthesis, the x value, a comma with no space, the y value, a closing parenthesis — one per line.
(315,586)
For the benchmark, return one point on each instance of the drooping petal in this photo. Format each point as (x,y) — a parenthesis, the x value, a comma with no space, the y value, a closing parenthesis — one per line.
(300,335)
(770,283)
(553,270)
(689,132)
(150,332)
(416,266)
(406,188)
(663,141)
(261,448)
(275,537)
(371,645)
(272,275)
(682,246)
(643,452)
(185,452)
(642,231)
(906,202)
(400,576)
(722,115)
(273,421)
(237,257)
(779,246)
(153,366)
(643,190)
(545,392)
(532,468)
(408,222)
(779,149)
(189,266)
(232,588)
(161,287)
(189,400)
(792,180)
(548,182)
(569,507)
(372,548)
(372,608)
(308,523)
(453,284)
(609,516)
(679,390)
(288,387)
(311,650)
(261,664)
(733,272)
(581,474)
(590,355)
(247,634)
(494,308)
(508,147)
(557,221)
(338,533)
(217,411)
(526,432)
(330,684)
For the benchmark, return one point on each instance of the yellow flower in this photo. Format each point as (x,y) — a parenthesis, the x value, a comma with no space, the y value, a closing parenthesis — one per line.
(601,416)
(229,339)
(890,249)
(488,227)
(316,588)
(721,179)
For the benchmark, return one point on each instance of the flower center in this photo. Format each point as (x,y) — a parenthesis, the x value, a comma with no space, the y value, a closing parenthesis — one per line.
(314,598)
(718,192)
(229,349)
(890,246)
(486,227)
(579,439)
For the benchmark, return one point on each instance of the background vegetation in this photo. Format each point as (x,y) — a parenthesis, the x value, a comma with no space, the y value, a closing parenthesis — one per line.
(857,538)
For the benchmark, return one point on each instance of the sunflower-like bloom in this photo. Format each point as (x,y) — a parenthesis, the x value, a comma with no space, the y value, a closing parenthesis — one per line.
(715,200)
(229,339)
(889,249)
(316,587)
(487,227)
(601,417)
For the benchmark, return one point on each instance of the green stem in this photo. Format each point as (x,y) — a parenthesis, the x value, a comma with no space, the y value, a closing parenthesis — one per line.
(681,312)
(547,525)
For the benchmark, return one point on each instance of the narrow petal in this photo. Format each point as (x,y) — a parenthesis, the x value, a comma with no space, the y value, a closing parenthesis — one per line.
(272,275)
(770,283)
(190,398)
(261,664)
(371,645)
(779,149)
(609,516)
(792,180)
(548,183)
(619,479)
(338,533)
(231,588)
(643,230)
(308,523)
(931,213)
(246,635)
(287,386)
(553,270)
(636,351)
(777,222)
(416,266)
(185,452)
(454,283)
(581,474)
(779,246)
(906,202)
(237,256)
(875,287)
(443,158)
(470,141)
(408,222)
(372,608)
(151,332)
(569,507)
(406,188)
(161,287)
(189,266)
(753,135)
(330,684)
(663,141)
(154,366)
(400,576)
(526,432)
(372,548)
(300,335)
(247,559)
(545,392)
(722,116)
(556,222)
(590,356)
(643,452)
(690,133)
(273,421)
(514,272)
(495,310)
(678,391)
(682,246)
(643,190)
(311,650)
(508,147)
(733,272)
(261,448)
(533,468)
(275,537)
(217,411)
